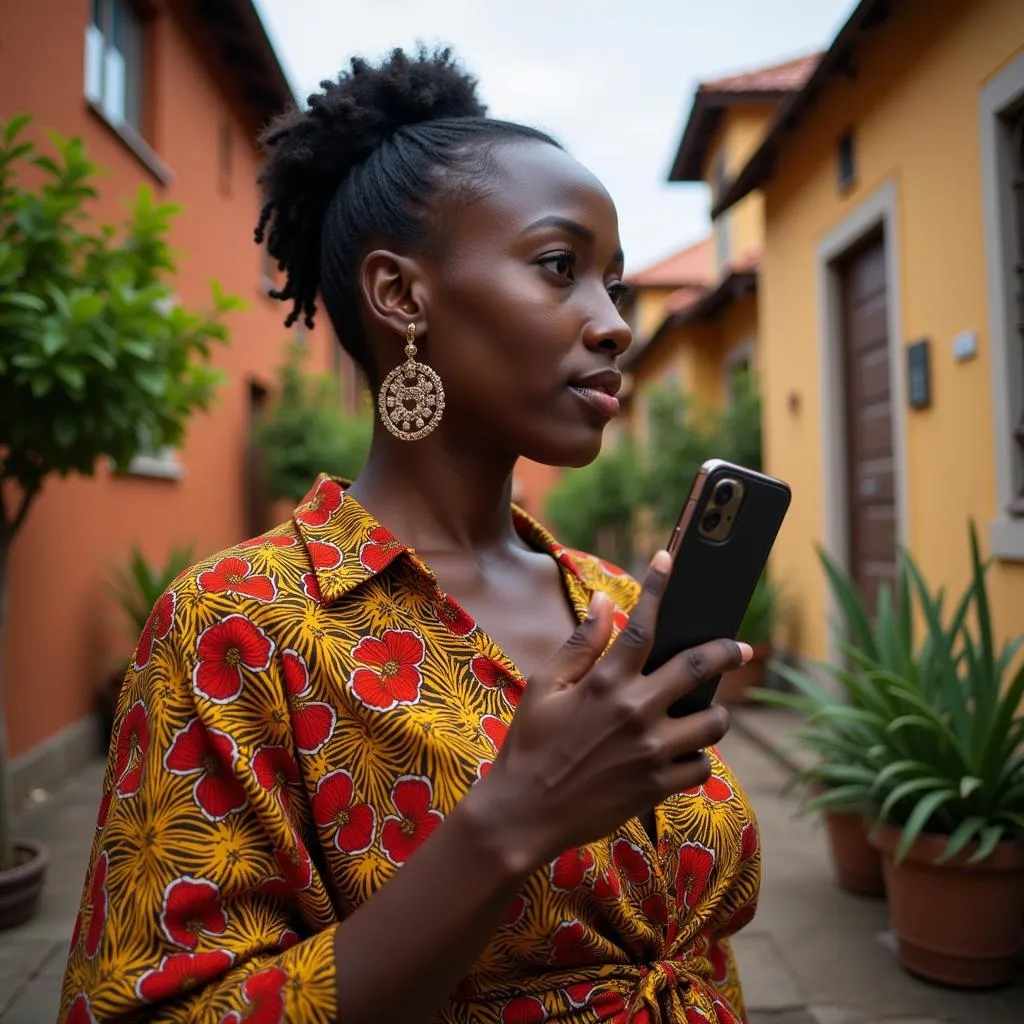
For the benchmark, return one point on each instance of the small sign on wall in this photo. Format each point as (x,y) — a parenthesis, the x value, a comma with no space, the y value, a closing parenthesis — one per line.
(919,377)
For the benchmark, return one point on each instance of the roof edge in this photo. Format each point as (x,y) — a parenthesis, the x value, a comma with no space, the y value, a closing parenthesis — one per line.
(758,169)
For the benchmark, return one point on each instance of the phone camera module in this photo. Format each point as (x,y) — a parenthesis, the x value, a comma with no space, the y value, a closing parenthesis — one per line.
(712,520)
(723,494)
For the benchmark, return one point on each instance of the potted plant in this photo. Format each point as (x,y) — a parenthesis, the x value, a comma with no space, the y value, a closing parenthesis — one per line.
(842,725)
(756,629)
(136,586)
(95,354)
(950,793)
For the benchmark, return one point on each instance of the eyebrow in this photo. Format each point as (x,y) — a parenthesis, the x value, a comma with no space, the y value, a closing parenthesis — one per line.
(571,227)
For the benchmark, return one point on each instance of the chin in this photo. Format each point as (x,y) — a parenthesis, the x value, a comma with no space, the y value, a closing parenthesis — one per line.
(564,451)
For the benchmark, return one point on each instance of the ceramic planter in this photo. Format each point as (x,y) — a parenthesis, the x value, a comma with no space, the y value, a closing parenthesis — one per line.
(22,885)
(958,924)
(732,690)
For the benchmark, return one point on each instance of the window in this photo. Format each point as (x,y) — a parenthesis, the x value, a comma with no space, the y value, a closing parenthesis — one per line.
(156,462)
(113,62)
(1002,140)
(739,366)
(846,166)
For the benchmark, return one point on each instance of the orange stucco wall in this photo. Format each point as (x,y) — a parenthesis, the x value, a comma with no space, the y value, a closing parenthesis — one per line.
(914,109)
(63,633)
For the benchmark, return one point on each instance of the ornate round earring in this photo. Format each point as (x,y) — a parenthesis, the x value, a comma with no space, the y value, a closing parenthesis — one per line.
(411,399)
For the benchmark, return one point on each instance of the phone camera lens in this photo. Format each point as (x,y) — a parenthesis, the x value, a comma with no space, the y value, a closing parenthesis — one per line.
(723,495)
(712,520)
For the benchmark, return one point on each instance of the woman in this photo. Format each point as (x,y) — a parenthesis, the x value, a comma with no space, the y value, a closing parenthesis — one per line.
(319,707)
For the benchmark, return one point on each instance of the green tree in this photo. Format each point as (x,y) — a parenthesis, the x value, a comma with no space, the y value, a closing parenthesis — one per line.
(592,508)
(305,432)
(97,356)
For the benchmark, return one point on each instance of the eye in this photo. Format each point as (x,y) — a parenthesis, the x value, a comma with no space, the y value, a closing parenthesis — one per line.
(562,263)
(619,292)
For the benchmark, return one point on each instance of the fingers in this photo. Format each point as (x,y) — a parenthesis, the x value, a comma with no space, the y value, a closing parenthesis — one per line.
(678,739)
(586,644)
(629,652)
(689,669)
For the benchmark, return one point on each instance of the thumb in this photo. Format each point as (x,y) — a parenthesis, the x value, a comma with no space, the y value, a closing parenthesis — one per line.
(586,644)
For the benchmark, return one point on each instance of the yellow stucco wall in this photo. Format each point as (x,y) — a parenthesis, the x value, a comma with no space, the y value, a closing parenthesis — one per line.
(738,134)
(914,109)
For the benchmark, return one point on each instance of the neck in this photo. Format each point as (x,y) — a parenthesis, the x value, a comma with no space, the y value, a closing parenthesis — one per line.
(436,499)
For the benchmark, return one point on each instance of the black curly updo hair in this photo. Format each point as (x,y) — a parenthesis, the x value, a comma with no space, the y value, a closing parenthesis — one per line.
(369,159)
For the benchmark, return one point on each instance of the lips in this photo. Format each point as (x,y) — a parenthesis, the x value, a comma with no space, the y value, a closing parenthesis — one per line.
(598,390)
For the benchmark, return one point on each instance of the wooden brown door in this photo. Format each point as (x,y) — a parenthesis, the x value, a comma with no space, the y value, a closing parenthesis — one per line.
(871,466)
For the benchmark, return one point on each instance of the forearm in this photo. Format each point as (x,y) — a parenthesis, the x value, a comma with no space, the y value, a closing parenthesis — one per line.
(402,953)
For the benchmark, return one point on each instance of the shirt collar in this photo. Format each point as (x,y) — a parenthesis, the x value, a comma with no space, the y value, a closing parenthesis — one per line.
(348,546)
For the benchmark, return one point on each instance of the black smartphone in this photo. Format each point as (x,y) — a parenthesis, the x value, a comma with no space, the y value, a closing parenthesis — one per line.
(720,547)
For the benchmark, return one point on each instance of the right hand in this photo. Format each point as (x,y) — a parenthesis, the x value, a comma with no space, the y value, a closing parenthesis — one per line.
(592,744)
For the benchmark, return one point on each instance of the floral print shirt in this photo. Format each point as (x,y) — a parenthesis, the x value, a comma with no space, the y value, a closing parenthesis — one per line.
(301,713)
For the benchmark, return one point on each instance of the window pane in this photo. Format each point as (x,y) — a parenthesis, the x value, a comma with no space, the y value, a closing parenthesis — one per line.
(94,64)
(113,85)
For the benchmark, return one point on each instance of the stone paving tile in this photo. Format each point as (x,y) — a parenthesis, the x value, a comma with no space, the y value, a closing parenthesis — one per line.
(36,1003)
(781,1017)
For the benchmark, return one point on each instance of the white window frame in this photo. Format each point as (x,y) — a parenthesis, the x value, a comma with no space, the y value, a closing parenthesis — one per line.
(113,74)
(1000,96)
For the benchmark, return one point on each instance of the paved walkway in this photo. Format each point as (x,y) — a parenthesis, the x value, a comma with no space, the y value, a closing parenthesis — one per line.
(813,954)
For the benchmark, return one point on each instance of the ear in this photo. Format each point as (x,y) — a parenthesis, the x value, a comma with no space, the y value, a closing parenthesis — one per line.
(395,293)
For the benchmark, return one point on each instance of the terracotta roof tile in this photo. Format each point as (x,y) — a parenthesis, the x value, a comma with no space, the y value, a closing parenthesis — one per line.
(691,266)
(790,76)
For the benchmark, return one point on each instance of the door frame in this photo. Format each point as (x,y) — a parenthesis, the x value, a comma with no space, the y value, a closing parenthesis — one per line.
(877,211)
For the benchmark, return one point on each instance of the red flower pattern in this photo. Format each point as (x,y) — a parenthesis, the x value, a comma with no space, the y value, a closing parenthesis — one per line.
(234,575)
(570,869)
(181,972)
(494,729)
(269,543)
(288,938)
(715,789)
(223,650)
(158,626)
(104,811)
(455,617)
(311,588)
(324,555)
(264,994)
(631,861)
(275,770)
(655,908)
(523,1010)
(94,911)
(321,505)
(608,886)
(492,675)
(749,841)
(132,744)
(210,755)
(568,944)
(296,867)
(696,862)
(312,721)
(191,908)
(516,910)
(719,963)
(380,550)
(403,833)
(80,1011)
(350,825)
(392,674)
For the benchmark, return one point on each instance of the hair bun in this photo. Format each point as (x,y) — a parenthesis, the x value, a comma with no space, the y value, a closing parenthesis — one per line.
(367,104)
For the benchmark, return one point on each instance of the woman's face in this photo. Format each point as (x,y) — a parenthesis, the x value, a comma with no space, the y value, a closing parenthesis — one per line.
(520,315)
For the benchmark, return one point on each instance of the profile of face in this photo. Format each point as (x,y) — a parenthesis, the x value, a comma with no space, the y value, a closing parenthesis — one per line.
(515,310)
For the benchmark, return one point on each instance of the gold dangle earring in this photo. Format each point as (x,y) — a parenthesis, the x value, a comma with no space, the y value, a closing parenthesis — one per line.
(411,398)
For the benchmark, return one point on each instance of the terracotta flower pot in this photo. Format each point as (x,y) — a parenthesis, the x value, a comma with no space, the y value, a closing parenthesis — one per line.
(858,864)
(22,885)
(958,924)
(732,690)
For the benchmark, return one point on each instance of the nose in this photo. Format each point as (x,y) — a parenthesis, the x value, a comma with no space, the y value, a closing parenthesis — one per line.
(606,331)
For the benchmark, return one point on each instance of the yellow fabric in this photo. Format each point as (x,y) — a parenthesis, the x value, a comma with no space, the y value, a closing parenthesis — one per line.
(301,712)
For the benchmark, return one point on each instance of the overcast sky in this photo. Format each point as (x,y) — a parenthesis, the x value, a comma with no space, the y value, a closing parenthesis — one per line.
(613,81)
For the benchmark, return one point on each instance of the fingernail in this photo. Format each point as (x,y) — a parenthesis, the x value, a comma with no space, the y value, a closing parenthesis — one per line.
(661,562)
(598,598)
(746,652)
